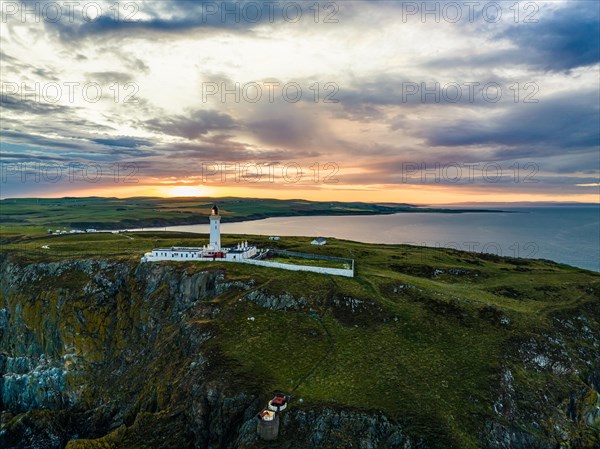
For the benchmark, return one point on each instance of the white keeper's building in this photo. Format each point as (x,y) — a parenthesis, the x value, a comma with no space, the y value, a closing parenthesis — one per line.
(212,252)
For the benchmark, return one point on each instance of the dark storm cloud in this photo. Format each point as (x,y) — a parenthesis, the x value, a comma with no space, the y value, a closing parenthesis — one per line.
(27,154)
(71,136)
(561,40)
(54,123)
(123,142)
(32,139)
(468,159)
(566,39)
(80,148)
(192,126)
(173,17)
(562,123)
(361,98)
(30,122)
(471,170)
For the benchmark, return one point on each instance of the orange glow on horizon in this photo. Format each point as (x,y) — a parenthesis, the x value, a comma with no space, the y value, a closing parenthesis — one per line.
(184,191)
(371,194)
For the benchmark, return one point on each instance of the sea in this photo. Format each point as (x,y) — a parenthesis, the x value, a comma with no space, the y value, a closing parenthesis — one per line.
(569,235)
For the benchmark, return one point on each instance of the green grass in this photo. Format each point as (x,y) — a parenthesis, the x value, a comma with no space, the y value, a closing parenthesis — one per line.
(312,262)
(424,347)
(36,215)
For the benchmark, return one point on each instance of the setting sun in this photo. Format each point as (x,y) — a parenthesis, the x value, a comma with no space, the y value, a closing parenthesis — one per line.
(187,191)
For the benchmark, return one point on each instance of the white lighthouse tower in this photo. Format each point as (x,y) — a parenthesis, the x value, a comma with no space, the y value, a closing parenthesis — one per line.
(215,229)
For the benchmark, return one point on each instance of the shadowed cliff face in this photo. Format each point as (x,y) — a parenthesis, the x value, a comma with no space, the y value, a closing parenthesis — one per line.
(111,346)
(117,352)
(112,354)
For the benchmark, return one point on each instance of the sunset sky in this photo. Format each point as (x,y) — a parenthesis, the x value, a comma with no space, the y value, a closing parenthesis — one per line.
(514,115)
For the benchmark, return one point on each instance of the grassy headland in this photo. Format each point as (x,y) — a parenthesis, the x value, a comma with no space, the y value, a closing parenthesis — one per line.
(422,334)
(114,213)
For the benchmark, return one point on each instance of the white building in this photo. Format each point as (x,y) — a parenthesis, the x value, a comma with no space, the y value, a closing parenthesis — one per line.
(241,253)
(177,253)
(212,252)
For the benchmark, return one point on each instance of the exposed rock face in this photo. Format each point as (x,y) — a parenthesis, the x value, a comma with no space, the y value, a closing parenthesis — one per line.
(110,354)
(504,437)
(281,302)
(217,418)
(331,428)
(82,337)
(28,384)
(574,424)
(96,349)
(327,428)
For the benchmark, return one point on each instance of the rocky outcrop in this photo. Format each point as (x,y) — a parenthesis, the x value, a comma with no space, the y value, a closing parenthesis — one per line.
(28,384)
(112,354)
(82,338)
(545,422)
(329,428)
(276,302)
(99,352)
(217,418)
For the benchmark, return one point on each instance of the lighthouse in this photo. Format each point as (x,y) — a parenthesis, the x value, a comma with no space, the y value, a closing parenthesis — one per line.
(215,229)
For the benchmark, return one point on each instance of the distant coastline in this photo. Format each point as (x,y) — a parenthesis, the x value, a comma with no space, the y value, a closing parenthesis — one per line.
(235,219)
(148,212)
(540,233)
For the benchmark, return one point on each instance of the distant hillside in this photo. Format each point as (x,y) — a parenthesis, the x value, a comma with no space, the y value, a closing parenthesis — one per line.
(145,212)
(425,348)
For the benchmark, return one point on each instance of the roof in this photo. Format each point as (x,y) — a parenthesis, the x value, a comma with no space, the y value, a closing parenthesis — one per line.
(179,250)
(279,400)
(266,415)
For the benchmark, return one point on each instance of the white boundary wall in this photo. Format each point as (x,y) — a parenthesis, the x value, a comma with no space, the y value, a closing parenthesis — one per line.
(286,266)
(263,263)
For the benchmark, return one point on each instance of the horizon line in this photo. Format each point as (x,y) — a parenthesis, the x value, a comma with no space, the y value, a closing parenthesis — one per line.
(466,203)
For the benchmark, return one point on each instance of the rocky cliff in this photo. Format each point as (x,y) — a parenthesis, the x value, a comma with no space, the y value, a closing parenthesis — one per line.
(116,354)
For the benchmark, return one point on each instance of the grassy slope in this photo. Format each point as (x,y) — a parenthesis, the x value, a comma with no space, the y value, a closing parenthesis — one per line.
(114,213)
(429,354)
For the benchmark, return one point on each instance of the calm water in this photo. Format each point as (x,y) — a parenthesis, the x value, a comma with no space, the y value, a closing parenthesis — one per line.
(569,235)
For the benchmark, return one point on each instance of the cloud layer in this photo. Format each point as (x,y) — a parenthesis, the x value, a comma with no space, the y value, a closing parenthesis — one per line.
(171,85)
